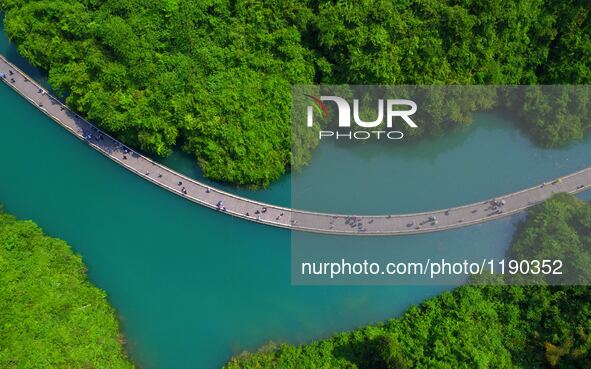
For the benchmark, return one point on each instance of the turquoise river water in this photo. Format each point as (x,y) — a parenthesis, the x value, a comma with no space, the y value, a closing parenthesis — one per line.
(193,287)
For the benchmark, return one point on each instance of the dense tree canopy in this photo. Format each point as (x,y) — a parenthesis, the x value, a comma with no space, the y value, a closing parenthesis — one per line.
(558,229)
(214,76)
(494,326)
(50,315)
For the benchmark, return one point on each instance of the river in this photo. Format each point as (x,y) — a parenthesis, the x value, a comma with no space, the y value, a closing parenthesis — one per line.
(191,286)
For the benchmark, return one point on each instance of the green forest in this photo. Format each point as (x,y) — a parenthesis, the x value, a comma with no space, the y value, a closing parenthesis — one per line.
(50,315)
(475,326)
(213,78)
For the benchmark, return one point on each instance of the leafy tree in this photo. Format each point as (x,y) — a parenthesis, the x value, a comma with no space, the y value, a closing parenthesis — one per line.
(214,77)
(51,316)
(474,326)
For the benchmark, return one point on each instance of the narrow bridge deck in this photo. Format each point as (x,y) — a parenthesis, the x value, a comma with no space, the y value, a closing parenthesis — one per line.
(275,215)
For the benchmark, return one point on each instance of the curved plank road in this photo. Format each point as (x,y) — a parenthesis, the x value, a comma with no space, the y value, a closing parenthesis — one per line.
(275,215)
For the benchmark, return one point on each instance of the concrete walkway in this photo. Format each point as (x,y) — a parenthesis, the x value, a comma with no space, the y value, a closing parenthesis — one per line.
(255,211)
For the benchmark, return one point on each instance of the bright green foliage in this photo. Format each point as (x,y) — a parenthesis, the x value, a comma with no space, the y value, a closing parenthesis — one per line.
(451,42)
(50,315)
(487,327)
(214,76)
(558,229)
(211,76)
(556,116)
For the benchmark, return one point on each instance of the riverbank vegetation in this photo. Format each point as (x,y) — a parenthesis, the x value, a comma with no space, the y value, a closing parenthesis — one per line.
(214,77)
(50,315)
(494,326)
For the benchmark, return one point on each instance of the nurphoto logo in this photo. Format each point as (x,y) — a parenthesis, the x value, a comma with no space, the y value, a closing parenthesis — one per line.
(392,109)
